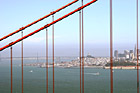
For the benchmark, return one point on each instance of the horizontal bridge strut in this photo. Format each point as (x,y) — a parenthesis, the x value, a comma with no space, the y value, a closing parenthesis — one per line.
(22,28)
(36,31)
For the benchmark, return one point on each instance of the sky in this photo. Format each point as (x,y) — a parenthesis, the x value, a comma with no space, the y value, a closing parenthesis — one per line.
(18,13)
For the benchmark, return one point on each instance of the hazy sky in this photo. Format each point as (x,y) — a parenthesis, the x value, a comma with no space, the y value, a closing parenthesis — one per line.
(18,13)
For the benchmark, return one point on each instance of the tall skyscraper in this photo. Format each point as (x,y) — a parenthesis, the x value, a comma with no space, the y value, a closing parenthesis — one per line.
(126,53)
(131,51)
(131,55)
(116,54)
(135,52)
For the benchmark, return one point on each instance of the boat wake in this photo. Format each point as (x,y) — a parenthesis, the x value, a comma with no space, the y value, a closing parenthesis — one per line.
(97,73)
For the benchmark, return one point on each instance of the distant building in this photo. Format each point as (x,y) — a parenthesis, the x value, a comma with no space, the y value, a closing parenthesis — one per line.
(89,56)
(127,55)
(121,55)
(116,54)
(131,55)
(126,52)
(131,51)
(135,52)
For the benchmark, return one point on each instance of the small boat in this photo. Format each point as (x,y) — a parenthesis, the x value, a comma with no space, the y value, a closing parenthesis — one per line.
(96,73)
(31,71)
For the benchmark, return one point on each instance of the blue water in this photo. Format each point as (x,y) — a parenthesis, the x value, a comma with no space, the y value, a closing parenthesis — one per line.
(66,80)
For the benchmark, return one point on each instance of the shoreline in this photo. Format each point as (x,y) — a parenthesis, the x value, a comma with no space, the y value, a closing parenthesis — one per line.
(122,67)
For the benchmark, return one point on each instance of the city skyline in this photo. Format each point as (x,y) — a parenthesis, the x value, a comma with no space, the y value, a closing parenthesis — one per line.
(127,54)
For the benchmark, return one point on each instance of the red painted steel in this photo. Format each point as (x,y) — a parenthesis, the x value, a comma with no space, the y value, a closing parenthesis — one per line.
(53,50)
(80,46)
(111,49)
(11,71)
(22,28)
(137,53)
(22,59)
(82,51)
(46,61)
(36,31)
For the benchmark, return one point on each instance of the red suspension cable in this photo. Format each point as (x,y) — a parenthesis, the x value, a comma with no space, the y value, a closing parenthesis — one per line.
(22,28)
(38,30)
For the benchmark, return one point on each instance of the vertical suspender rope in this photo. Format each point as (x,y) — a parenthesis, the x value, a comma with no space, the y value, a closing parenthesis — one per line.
(82,51)
(137,53)
(111,49)
(53,49)
(11,71)
(46,61)
(22,59)
(80,46)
